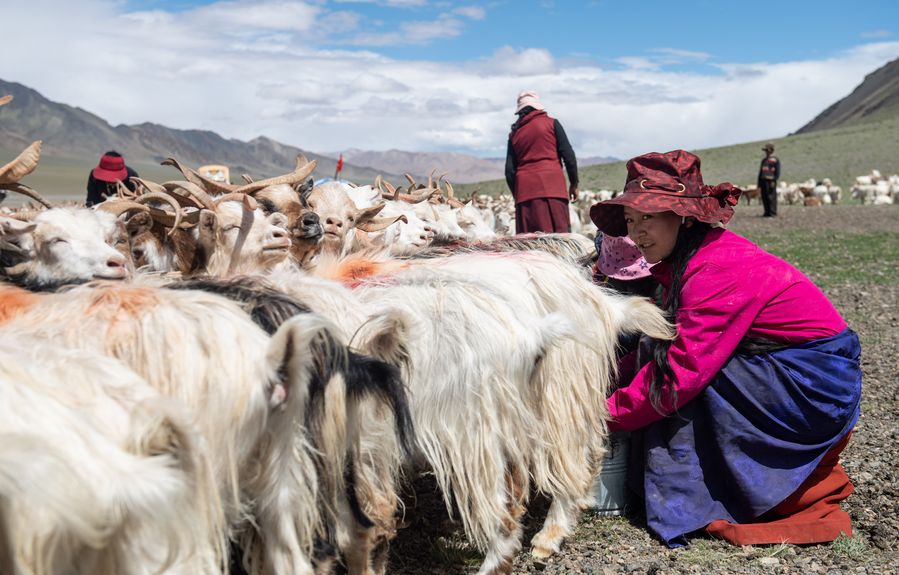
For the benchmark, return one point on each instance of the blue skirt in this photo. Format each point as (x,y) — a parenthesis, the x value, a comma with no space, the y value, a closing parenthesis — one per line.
(753,435)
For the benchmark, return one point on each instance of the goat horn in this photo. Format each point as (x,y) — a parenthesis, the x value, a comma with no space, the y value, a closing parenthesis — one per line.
(449,190)
(247,178)
(163,197)
(208,184)
(431,177)
(410,178)
(301,161)
(24,164)
(204,199)
(26,191)
(418,197)
(391,193)
(122,191)
(455,203)
(295,177)
(147,185)
(119,207)
(378,224)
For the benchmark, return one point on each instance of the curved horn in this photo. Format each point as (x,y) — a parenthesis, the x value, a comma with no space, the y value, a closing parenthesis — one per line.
(247,178)
(148,186)
(295,177)
(26,191)
(204,199)
(391,193)
(24,164)
(208,184)
(119,207)
(378,224)
(163,197)
(122,191)
(301,161)
(418,196)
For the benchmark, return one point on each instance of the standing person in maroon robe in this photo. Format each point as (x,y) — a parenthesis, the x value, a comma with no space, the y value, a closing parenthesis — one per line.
(537,147)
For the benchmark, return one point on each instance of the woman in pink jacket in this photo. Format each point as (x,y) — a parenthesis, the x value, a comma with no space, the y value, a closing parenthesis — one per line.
(744,414)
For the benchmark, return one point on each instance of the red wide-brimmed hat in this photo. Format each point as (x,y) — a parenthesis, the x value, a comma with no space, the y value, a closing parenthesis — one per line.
(669,182)
(110,169)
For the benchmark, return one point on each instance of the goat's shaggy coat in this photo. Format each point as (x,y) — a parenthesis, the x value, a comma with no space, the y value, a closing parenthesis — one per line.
(247,393)
(98,472)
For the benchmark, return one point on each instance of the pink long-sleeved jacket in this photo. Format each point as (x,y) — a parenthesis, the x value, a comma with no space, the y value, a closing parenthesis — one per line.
(731,288)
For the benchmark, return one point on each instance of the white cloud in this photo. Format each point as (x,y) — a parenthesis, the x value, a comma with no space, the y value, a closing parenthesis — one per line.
(876,34)
(473,12)
(269,78)
(265,15)
(527,62)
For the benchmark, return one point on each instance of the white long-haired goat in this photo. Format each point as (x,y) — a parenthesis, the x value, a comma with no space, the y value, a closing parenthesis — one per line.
(99,473)
(246,391)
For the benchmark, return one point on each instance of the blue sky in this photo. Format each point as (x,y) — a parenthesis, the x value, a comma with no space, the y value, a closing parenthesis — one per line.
(421,75)
(605,30)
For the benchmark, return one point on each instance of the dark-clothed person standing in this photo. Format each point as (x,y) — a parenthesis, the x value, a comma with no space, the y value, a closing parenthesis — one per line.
(537,148)
(769,173)
(102,180)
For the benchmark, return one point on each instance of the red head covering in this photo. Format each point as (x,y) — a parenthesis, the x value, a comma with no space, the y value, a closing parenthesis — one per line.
(110,169)
(669,182)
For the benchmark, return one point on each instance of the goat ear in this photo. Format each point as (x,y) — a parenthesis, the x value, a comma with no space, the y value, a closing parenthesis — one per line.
(12,226)
(304,190)
(386,337)
(138,224)
(292,357)
(367,214)
(206,231)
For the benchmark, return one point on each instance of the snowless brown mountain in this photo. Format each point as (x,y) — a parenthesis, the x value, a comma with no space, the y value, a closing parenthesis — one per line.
(73,133)
(462,168)
(875,98)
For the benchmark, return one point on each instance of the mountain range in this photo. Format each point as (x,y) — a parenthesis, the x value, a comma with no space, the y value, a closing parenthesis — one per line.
(74,135)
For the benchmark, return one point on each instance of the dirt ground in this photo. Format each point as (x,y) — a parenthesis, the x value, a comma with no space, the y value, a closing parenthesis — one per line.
(432,543)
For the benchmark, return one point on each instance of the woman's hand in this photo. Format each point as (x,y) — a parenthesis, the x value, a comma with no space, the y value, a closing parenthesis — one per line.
(572,192)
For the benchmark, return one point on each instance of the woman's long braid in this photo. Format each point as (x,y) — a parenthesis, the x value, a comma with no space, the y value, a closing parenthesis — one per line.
(688,240)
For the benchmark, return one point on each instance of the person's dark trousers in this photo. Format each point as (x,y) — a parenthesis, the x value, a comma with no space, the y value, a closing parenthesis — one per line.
(769,197)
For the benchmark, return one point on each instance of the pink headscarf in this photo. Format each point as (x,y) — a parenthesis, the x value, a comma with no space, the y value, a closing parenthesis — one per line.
(529,98)
(619,258)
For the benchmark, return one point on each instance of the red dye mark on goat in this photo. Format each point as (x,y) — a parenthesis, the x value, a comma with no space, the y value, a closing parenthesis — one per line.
(128,301)
(354,272)
(15,300)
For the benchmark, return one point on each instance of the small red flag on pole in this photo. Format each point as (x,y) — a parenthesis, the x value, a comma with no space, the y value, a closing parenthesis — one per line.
(339,166)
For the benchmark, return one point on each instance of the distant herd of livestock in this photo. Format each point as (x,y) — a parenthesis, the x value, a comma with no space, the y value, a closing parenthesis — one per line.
(198,376)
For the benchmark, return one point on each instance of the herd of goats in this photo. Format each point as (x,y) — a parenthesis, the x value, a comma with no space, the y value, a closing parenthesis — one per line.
(198,377)
(202,378)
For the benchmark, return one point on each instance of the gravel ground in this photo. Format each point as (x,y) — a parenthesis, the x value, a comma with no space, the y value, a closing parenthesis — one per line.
(433,544)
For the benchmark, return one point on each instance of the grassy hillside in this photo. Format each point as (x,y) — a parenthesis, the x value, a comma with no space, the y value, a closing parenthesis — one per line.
(839,154)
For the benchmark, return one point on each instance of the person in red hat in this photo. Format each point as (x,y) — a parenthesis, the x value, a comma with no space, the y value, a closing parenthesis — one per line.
(743,415)
(101,183)
(536,149)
